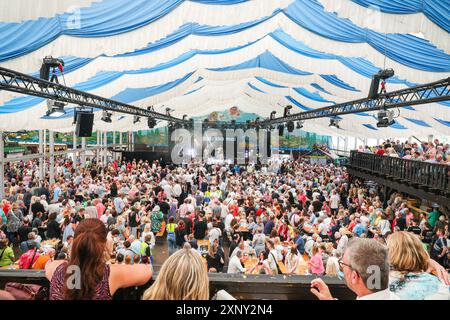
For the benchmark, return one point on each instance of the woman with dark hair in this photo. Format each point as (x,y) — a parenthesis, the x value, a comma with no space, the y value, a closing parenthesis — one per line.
(53,228)
(180,234)
(88,259)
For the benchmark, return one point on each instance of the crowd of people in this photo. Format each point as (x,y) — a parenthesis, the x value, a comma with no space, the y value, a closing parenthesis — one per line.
(433,152)
(108,219)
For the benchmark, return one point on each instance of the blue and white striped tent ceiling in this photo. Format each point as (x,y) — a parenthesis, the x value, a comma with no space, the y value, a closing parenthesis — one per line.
(200,56)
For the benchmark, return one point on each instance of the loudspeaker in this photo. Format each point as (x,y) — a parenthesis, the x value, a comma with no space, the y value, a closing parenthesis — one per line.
(85,121)
(373,91)
(280,130)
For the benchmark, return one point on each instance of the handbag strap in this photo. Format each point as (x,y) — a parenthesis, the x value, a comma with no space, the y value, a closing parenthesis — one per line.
(1,255)
(31,262)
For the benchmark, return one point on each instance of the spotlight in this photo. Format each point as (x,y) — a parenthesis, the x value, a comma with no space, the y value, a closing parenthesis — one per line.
(299,124)
(151,122)
(55,108)
(272,115)
(290,126)
(168,111)
(53,63)
(381,75)
(334,123)
(136,119)
(287,110)
(385,118)
(107,116)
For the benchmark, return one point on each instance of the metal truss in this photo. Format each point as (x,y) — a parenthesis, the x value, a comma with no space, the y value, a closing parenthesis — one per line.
(22,83)
(423,94)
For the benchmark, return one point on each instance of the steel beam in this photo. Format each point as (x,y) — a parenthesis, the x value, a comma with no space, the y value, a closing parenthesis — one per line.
(14,81)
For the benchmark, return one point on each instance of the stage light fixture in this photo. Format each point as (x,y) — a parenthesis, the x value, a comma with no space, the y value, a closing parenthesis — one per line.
(136,119)
(151,122)
(272,115)
(299,124)
(107,116)
(385,118)
(334,123)
(168,111)
(281,129)
(287,110)
(290,126)
(51,63)
(381,75)
(55,108)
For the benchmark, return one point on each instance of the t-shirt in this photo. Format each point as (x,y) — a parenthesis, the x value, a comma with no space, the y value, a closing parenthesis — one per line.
(414,229)
(317,260)
(41,262)
(200,229)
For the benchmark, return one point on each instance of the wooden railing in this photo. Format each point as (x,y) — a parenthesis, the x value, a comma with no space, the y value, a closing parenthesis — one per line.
(433,176)
(242,287)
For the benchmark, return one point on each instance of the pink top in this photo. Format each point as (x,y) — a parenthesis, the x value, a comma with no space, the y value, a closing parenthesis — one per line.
(317,260)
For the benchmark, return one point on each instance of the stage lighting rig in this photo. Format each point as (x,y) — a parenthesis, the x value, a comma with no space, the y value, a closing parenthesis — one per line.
(107,116)
(385,118)
(51,63)
(168,111)
(334,123)
(151,122)
(290,126)
(287,110)
(381,75)
(55,108)
(136,119)
(272,115)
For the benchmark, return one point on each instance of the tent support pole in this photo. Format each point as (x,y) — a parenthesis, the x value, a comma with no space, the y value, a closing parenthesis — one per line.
(52,156)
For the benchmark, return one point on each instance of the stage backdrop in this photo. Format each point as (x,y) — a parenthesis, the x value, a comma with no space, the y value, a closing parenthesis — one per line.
(297,140)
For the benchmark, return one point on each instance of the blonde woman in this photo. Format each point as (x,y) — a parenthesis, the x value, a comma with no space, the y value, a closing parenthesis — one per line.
(410,263)
(183,276)
(332,267)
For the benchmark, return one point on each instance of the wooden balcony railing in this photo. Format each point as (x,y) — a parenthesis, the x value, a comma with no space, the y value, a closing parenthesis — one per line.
(433,176)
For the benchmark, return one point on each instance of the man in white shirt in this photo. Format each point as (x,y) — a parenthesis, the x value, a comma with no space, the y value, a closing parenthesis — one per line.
(235,266)
(228,220)
(335,199)
(365,265)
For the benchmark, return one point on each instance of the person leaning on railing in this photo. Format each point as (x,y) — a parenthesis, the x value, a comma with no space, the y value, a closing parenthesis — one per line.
(97,280)
(183,276)
(365,266)
(410,276)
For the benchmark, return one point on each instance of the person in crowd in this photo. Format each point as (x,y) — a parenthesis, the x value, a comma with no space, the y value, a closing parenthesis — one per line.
(409,263)
(316,265)
(361,257)
(181,235)
(235,263)
(6,253)
(183,276)
(99,280)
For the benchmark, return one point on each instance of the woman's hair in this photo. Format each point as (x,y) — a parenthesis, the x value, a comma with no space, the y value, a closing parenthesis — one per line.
(120,258)
(171,219)
(89,254)
(406,252)
(183,276)
(315,249)
(3,243)
(128,260)
(331,268)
